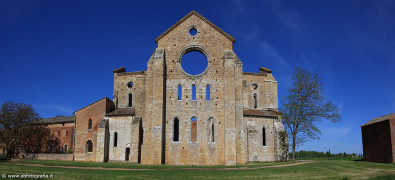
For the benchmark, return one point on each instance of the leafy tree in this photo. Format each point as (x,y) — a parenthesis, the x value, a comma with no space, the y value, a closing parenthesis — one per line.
(305,105)
(17,132)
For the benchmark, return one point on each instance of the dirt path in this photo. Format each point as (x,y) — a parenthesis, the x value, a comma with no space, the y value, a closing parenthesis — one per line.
(125,169)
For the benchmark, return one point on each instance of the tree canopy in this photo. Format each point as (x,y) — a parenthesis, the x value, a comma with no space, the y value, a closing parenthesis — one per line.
(19,133)
(304,105)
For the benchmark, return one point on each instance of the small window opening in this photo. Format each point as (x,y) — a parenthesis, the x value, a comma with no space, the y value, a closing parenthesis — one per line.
(179,92)
(176,129)
(193,92)
(263,136)
(115,139)
(90,124)
(65,147)
(193,129)
(130,100)
(130,84)
(193,31)
(212,132)
(67,133)
(89,146)
(255,101)
(58,133)
(208,92)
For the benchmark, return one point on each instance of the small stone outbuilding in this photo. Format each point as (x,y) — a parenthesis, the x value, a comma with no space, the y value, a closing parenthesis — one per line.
(378,139)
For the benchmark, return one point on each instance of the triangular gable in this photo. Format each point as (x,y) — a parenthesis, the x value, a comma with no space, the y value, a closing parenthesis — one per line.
(106,98)
(193,12)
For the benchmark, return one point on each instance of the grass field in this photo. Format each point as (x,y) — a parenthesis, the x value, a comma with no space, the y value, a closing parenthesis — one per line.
(318,169)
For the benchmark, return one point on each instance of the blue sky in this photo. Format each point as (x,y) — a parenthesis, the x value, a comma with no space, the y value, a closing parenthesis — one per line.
(59,55)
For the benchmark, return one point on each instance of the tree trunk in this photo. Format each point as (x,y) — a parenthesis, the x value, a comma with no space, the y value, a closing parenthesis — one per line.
(293,149)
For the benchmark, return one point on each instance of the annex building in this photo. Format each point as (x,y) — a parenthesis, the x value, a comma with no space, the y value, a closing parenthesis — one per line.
(378,139)
(163,115)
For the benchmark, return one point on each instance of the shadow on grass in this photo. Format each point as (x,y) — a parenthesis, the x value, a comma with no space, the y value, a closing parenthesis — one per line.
(358,159)
(384,177)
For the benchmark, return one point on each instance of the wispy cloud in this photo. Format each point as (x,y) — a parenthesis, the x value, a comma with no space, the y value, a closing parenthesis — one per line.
(55,108)
(269,51)
(9,10)
(239,5)
(288,15)
(336,132)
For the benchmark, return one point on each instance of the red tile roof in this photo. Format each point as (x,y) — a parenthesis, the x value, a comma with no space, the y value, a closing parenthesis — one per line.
(379,119)
(122,112)
(260,113)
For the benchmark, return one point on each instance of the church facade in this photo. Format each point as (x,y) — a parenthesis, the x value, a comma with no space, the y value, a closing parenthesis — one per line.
(164,115)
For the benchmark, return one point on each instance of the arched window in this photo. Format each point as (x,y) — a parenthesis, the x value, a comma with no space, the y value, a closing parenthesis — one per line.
(193,129)
(89,146)
(210,130)
(179,92)
(208,92)
(255,101)
(65,147)
(115,139)
(193,92)
(90,124)
(130,99)
(263,136)
(176,129)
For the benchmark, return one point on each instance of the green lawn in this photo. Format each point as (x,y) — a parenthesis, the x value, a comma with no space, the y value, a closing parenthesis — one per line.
(319,169)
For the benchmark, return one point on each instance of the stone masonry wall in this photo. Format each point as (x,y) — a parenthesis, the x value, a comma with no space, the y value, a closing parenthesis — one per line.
(266,91)
(122,126)
(47,156)
(256,150)
(392,124)
(221,107)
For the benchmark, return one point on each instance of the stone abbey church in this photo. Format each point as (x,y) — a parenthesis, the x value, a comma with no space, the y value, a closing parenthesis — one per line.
(164,115)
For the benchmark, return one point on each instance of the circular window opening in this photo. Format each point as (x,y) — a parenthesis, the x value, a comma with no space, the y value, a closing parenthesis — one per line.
(130,84)
(194,62)
(193,31)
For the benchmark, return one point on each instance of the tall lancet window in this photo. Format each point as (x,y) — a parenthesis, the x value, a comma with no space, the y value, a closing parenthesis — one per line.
(255,101)
(176,129)
(208,92)
(130,100)
(193,92)
(179,92)
(193,129)
(263,136)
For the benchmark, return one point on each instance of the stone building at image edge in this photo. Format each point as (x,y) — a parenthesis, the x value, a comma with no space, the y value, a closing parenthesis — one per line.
(378,139)
(164,115)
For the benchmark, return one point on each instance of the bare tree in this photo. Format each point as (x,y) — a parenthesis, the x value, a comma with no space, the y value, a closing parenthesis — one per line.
(304,105)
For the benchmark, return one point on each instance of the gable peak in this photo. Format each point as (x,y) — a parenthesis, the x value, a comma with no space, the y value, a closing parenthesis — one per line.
(193,12)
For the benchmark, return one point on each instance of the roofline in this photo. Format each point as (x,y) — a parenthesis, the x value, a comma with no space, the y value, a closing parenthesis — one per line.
(91,104)
(266,69)
(386,119)
(193,12)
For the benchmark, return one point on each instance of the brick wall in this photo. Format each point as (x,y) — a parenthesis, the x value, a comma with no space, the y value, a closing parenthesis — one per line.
(64,132)
(95,112)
